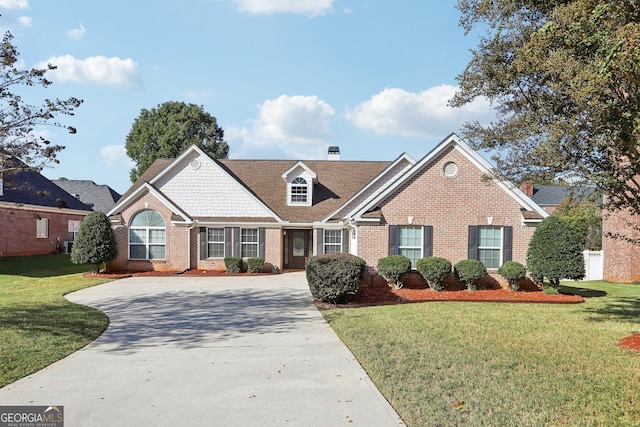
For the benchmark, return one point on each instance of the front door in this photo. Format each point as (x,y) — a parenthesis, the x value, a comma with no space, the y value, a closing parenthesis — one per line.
(297,248)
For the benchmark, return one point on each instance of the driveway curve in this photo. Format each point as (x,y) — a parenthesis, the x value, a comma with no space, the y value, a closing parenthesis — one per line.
(208,351)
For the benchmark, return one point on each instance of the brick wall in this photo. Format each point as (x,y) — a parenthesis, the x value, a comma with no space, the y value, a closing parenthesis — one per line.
(18,231)
(450,205)
(621,257)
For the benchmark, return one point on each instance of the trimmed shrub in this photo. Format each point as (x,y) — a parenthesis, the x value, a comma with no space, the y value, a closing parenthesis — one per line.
(469,271)
(393,268)
(434,270)
(255,265)
(95,243)
(332,277)
(554,253)
(513,272)
(233,264)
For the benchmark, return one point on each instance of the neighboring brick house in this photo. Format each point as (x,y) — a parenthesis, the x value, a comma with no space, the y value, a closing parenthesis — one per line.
(621,254)
(192,211)
(36,216)
(99,197)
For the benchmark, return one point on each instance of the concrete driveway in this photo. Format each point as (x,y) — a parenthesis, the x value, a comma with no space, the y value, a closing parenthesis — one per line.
(203,351)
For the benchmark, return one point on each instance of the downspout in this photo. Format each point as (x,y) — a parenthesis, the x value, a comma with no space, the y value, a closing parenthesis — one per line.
(354,229)
(191,227)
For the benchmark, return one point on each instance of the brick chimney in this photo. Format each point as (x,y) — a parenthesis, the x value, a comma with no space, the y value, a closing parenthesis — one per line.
(527,188)
(334,153)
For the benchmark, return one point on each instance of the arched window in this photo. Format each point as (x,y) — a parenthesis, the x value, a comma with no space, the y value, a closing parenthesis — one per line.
(147,236)
(299,190)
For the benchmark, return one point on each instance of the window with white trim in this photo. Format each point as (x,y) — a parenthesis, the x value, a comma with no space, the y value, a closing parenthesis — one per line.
(215,242)
(490,246)
(72,227)
(299,191)
(410,243)
(42,228)
(249,242)
(332,241)
(147,236)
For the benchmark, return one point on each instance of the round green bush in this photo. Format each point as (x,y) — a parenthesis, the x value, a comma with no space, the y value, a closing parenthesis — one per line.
(96,241)
(434,270)
(513,272)
(393,268)
(554,253)
(332,277)
(469,271)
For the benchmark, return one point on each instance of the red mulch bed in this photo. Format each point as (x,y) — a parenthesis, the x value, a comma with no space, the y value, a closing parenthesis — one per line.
(632,342)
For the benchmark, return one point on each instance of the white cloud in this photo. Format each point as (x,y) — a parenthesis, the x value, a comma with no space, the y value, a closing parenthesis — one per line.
(25,21)
(76,33)
(115,155)
(291,126)
(14,4)
(301,7)
(96,69)
(425,114)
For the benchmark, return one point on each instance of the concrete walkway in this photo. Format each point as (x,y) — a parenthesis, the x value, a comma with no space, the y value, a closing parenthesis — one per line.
(207,351)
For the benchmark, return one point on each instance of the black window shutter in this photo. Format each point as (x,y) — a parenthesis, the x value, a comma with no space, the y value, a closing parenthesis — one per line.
(393,240)
(473,242)
(227,241)
(261,238)
(345,241)
(203,243)
(236,242)
(507,245)
(427,240)
(320,242)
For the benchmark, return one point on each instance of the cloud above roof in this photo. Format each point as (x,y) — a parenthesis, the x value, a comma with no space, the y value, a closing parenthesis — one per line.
(301,7)
(423,114)
(99,70)
(14,4)
(297,126)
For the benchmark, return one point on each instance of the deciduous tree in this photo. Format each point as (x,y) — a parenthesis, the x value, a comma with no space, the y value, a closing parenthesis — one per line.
(169,129)
(564,79)
(19,121)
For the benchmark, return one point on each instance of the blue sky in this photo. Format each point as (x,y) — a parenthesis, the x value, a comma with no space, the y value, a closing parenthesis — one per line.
(285,78)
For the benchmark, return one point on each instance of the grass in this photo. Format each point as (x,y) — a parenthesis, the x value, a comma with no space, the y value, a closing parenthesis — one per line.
(38,326)
(496,364)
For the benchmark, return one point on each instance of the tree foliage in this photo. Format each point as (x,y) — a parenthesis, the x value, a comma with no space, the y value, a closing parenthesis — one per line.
(95,242)
(584,216)
(20,120)
(169,129)
(564,79)
(554,252)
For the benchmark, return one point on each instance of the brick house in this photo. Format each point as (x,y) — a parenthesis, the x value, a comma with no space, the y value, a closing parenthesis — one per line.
(621,256)
(36,216)
(192,211)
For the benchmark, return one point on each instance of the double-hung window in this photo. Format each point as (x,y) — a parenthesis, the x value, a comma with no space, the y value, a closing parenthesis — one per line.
(299,191)
(249,242)
(332,241)
(410,243)
(215,242)
(490,246)
(147,236)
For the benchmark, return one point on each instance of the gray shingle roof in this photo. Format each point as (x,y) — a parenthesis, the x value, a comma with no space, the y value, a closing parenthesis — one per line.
(552,195)
(25,186)
(99,197)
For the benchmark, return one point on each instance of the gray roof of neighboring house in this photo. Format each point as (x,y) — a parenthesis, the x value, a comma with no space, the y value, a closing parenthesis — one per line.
(552,195)
(25,186)
(99,197)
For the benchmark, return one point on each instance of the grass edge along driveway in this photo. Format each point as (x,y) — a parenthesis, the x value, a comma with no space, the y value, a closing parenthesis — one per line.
(38,326)
(497,364)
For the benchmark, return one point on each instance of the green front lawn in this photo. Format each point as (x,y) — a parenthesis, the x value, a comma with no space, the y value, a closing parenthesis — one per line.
(497,364)
(38,326)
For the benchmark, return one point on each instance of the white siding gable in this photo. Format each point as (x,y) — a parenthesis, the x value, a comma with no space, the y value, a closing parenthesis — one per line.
(202,188)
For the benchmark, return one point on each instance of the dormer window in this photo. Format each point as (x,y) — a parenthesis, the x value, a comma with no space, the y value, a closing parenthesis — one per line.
(299,191)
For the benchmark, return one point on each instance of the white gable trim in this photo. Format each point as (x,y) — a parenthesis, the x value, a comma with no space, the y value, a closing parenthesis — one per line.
(485,167)
(381,175)
(203,155)
(300,164)
(146,187)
